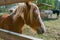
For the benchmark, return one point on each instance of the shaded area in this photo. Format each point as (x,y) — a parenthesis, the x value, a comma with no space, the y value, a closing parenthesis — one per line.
(48,19)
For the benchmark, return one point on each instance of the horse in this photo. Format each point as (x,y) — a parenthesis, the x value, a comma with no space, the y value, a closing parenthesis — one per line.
(55,11)
(42,14)
(46,13)
(25,13)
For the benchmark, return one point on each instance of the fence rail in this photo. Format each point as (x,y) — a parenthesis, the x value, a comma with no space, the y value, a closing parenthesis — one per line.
(5,2)
(8,35)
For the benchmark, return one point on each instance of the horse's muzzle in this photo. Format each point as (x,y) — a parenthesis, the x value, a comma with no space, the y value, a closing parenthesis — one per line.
(40,31)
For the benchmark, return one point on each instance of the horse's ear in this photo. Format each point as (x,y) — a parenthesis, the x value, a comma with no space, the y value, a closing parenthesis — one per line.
(35,16)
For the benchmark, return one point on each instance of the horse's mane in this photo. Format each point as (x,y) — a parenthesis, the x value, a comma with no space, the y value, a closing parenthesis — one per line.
(19,11)
(25,9)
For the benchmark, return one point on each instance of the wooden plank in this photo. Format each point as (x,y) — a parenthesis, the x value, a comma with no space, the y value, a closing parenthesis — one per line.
(6,2)
(8,35)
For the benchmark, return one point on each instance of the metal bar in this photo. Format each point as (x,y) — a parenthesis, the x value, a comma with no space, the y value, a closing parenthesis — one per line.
(20,35)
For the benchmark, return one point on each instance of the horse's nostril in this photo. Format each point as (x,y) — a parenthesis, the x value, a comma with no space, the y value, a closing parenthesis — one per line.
(40,31)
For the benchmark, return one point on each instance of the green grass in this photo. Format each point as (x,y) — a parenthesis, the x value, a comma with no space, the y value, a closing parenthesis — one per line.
(52,29)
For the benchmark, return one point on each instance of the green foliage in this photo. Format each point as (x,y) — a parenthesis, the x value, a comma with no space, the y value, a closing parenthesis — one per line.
(50,2)
(39,1)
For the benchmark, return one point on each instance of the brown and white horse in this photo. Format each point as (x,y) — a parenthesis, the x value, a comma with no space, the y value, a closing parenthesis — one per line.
(25,13)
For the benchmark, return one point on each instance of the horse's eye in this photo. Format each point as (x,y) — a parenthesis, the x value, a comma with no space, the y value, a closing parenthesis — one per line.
(35,16)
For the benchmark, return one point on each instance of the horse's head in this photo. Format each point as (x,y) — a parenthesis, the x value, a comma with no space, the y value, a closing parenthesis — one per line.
(34,20)
(31,17)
